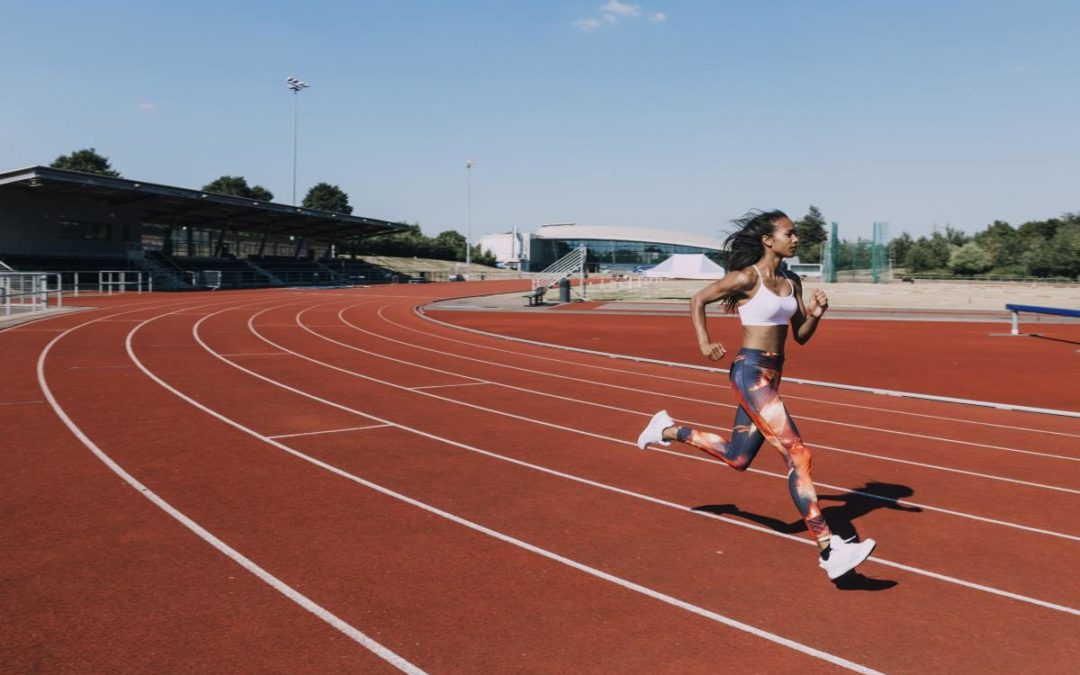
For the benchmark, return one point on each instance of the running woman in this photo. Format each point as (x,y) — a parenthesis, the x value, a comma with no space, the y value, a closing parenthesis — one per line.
(767,298)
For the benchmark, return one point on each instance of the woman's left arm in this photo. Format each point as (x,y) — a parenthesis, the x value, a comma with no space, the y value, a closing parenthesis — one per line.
(805,320)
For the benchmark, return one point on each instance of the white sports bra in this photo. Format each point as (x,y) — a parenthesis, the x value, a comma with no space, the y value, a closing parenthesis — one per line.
(767,308)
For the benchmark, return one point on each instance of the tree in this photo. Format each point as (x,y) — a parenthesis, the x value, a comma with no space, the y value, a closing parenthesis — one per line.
(969,259)
(327,197)
(237,187)
(86,160)
(1066,248)
(955,237)
(899,247)
(485,257)
(261,194)
(811,231)
(1002,242)
(928,254)
(449,245)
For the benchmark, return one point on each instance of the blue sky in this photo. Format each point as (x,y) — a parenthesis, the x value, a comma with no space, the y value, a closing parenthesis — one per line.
(667,114)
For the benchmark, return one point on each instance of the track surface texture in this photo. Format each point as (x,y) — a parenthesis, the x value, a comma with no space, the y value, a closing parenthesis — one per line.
(341,481)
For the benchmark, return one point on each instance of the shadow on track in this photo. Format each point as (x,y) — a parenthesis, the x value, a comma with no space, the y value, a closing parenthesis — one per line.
(850,507)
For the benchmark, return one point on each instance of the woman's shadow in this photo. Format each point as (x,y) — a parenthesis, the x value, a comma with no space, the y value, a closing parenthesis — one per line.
(851,505)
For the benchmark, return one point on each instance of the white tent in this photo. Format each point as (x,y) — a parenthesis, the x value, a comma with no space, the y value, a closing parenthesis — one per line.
(686,266)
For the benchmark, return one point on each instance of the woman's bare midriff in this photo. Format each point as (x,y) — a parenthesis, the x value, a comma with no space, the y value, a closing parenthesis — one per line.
(765,338)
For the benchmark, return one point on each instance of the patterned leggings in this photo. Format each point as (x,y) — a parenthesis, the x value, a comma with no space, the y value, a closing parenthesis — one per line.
(755,378)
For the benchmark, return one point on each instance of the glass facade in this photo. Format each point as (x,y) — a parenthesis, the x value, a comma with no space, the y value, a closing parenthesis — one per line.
(608,254)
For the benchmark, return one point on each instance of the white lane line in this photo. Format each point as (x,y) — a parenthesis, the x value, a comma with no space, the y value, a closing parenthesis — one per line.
(328,431)
(259,354)
(248,564)
(933,417)
(639,390)
(339,406)
(20,402)
(697,457)
(98,367)
(586,402)
(456,384)
(600,574)
(798,380)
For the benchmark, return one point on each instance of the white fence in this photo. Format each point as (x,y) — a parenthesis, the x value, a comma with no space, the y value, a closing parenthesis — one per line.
(25,292)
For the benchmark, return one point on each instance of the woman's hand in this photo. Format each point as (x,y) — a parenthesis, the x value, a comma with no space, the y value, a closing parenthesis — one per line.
(819,302)
(714,350)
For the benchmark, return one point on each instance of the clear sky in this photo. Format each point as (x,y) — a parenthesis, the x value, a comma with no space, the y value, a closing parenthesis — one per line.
(672,114)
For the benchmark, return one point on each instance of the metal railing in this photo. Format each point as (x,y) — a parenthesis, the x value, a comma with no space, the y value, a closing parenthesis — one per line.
(572,262)
(26,292)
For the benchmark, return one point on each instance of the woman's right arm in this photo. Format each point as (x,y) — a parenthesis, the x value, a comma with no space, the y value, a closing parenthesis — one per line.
(732,283)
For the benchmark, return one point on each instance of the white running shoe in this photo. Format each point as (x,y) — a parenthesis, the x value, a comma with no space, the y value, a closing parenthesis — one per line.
(654,432)
(844,556)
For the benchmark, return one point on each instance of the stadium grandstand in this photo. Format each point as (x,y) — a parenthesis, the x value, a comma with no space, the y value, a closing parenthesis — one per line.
(614,249)
(81,225)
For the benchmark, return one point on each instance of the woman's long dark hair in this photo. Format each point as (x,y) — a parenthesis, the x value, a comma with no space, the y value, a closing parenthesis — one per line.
(744,245)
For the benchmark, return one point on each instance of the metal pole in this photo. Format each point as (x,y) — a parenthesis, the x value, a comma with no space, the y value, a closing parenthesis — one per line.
(295,136)
(295,86)
(468,216)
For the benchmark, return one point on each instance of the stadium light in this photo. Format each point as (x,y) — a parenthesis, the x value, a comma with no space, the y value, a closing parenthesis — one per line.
(468,215)
(295,86)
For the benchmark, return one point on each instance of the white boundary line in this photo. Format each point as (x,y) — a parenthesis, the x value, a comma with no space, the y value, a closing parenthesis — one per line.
(833,385)
(456,384)
(237,557)
(603,486)
(328,431)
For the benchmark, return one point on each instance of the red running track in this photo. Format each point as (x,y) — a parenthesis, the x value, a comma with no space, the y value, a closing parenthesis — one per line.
(298,481)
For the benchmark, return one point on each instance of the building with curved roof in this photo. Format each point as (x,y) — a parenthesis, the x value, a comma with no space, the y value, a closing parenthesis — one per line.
(617,248)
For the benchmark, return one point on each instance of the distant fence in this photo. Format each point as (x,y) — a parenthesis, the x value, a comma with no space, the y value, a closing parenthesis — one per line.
(1056,281)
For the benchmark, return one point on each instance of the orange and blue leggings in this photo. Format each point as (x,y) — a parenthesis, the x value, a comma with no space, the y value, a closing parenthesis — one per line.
(755,379)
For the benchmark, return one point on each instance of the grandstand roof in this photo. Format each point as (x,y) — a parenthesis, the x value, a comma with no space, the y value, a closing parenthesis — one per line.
(612,233)
(193,208)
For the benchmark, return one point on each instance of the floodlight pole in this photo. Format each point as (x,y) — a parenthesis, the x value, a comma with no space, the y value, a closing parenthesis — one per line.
(468,216)
(295,85)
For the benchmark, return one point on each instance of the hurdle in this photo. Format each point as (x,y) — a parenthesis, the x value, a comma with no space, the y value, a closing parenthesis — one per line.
(1033,309)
